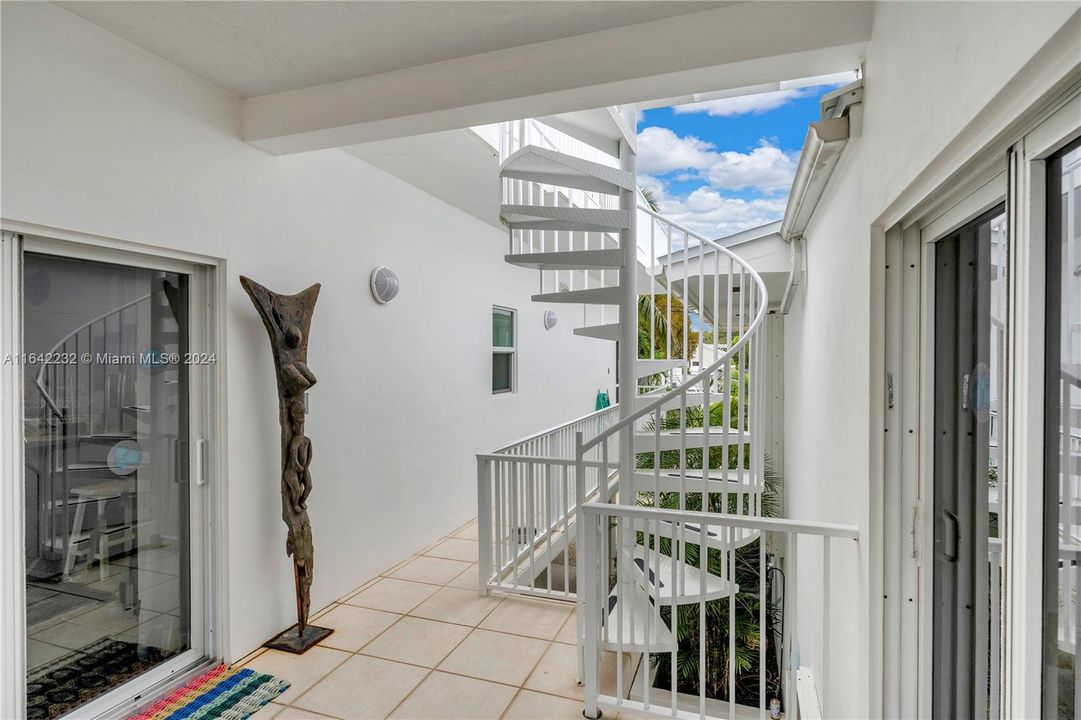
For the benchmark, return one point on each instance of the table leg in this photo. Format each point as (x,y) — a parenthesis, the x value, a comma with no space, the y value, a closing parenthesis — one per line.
(103,548)
(76,530)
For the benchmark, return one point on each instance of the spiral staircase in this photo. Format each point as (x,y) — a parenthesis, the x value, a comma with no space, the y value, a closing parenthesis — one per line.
(613,489)
(88,408)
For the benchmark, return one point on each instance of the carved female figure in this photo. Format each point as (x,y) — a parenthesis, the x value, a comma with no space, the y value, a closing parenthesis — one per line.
(287,319)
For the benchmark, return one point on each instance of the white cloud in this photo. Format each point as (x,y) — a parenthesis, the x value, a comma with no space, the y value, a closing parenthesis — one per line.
(766,168)
(744,104)
(660,151)
(765,171)
(650,182)
(708,212)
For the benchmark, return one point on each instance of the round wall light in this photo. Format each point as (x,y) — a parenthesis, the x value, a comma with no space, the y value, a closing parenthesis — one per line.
(550,319)
(385,285)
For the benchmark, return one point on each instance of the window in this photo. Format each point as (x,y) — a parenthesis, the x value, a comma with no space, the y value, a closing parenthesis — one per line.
(504,357)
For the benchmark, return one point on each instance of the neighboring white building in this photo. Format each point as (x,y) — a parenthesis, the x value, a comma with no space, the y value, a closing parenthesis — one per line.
(153,153)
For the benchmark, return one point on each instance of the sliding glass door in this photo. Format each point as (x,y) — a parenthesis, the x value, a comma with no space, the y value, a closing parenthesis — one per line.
(110,502)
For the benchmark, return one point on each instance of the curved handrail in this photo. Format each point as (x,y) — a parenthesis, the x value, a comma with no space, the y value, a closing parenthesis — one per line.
(60,343)
(725,357)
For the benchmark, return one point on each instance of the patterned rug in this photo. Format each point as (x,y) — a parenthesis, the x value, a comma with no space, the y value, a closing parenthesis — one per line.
(230,694)
(77,678)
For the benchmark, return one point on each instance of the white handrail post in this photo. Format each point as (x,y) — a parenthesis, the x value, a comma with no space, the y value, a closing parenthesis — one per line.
(628,305)
(484,525)
(589,611)
(825,622)
(581,588)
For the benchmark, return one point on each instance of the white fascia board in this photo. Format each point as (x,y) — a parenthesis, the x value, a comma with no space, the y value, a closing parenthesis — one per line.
(707,50)
(845,76)
(821,151)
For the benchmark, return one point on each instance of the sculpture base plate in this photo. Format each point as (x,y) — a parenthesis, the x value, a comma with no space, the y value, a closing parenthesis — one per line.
(291,641)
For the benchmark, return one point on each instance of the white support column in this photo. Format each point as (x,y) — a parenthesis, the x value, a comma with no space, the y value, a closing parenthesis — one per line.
(628,381)
(628,324)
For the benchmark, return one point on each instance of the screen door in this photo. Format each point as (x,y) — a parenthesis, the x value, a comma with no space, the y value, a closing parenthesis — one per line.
(969,344)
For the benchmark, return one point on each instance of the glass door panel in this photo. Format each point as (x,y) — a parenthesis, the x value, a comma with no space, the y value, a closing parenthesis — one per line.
(1062,529)
(108,582)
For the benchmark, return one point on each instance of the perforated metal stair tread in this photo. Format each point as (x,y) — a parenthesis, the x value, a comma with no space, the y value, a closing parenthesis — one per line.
(694,399)
(600,332)
(717,536)
(655,574)
(552,167)
(671,481)
(647,441)
(106,437)
(555,217)
(569,260)
(637,627)
(590,296)
(648,367)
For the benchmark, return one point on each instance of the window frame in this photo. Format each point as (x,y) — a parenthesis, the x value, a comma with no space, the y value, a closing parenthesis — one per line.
(511,350)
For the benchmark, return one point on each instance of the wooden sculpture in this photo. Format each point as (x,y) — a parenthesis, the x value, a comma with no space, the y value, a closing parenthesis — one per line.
(287,319)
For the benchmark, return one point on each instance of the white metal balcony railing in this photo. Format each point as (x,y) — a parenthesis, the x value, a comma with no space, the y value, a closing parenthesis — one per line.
(604,523)
(528,493)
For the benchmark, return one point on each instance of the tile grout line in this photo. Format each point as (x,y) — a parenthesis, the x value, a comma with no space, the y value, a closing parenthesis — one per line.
(432,670)
(320,679)
(357,652)
(519,688)
(528,675)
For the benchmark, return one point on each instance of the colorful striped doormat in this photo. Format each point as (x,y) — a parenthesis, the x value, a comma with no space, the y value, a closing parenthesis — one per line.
(232,694)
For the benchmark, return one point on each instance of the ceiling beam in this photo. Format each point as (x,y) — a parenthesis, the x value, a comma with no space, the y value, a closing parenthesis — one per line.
(733,46)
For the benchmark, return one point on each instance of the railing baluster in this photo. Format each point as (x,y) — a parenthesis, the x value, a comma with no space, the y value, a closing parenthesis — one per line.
(531,518)
(792,625)
(673,610)
(730,558)
(763,634)
(565,499)
(823,686)
(703,567)
(589,609)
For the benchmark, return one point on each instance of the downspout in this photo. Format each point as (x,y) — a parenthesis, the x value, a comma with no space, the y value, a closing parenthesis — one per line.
(795,275)
(822,148)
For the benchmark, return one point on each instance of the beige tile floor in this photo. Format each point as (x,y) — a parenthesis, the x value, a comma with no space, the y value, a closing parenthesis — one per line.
(419,642)
(73,630)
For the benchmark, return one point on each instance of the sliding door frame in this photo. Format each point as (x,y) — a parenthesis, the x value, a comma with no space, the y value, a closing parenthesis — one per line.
(1023,605)
(209,600)
(12,488)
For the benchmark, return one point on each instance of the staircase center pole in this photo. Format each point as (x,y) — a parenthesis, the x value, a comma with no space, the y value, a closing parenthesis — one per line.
(628,386)
(628,325)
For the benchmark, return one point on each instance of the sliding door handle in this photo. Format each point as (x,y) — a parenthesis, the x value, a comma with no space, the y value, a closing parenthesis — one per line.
(200,462)
(951,536)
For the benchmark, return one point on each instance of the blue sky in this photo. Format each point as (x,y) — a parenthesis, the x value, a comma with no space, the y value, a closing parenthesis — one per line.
(722,166)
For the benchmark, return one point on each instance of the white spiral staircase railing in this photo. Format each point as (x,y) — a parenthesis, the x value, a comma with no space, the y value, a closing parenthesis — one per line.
(616,520)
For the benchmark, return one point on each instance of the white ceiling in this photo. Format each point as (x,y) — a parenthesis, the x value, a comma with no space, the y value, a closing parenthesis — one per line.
(257,48)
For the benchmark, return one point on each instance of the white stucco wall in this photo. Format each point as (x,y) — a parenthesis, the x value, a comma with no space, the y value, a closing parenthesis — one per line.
(104,138)
(930,69)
